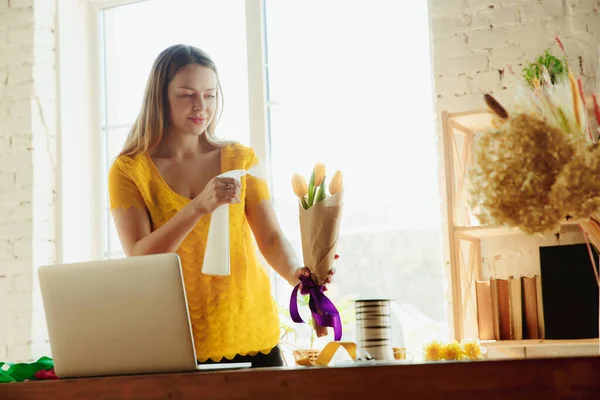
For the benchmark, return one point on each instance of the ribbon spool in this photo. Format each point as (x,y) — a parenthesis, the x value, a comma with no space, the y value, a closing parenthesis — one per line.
(374,328)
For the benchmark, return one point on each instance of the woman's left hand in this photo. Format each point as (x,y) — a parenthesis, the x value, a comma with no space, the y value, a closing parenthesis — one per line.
(305,271)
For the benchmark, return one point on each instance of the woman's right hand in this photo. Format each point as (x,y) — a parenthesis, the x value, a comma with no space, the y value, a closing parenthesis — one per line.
(218,192)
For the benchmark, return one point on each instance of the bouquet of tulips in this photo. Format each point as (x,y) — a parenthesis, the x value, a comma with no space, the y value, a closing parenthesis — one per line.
(320,216)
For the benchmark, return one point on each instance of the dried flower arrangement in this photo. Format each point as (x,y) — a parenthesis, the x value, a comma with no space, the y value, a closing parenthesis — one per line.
(537,167)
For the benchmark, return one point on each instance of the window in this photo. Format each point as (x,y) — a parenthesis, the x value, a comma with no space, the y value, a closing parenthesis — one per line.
(351,88)
(348,84)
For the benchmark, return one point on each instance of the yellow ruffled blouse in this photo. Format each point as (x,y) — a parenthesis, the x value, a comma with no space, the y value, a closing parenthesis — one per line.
(230,315)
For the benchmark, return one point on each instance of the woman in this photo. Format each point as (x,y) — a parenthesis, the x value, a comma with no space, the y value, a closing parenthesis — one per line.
(163,188)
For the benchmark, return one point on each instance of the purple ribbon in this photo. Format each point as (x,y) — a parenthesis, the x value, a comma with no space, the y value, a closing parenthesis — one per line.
(322,308)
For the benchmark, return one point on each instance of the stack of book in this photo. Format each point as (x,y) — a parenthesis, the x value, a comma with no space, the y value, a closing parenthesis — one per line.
(560,303)
(510,309)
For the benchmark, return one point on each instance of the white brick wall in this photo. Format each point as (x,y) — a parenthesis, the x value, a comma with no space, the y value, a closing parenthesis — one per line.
(474,40)
(28,128)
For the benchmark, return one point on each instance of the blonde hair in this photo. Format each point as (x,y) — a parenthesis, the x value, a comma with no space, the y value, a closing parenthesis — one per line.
(149,126)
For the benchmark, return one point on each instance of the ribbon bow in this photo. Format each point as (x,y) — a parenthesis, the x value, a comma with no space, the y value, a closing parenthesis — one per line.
(322,308)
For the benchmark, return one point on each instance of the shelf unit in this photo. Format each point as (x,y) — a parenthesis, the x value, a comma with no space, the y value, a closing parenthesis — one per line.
(460,131)
(503,349)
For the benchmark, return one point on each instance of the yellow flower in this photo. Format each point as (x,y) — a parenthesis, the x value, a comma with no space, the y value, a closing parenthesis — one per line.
(453,351)
(319,172)
(472,349)
(300,186)
(337,183)
(433,351)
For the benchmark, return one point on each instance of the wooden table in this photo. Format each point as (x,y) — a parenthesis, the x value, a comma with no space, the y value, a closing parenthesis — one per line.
(550,378)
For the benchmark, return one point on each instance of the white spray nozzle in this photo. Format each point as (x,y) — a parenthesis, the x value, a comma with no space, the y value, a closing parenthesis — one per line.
(235,174)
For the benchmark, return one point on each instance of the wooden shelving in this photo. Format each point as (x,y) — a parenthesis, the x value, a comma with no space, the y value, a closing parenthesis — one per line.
(482,231)
(460,133)
(537,342)
(464,234)
(503,349)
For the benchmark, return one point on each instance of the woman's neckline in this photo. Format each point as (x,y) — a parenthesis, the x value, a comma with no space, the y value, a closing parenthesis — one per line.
(154,168)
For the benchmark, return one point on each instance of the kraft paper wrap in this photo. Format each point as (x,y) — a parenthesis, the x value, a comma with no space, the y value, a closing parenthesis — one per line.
(319,228)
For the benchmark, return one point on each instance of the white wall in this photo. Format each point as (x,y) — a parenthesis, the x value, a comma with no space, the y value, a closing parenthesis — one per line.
(28,164)
(474,39)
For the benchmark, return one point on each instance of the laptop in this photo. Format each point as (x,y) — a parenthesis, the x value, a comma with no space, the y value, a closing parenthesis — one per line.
(119,317)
